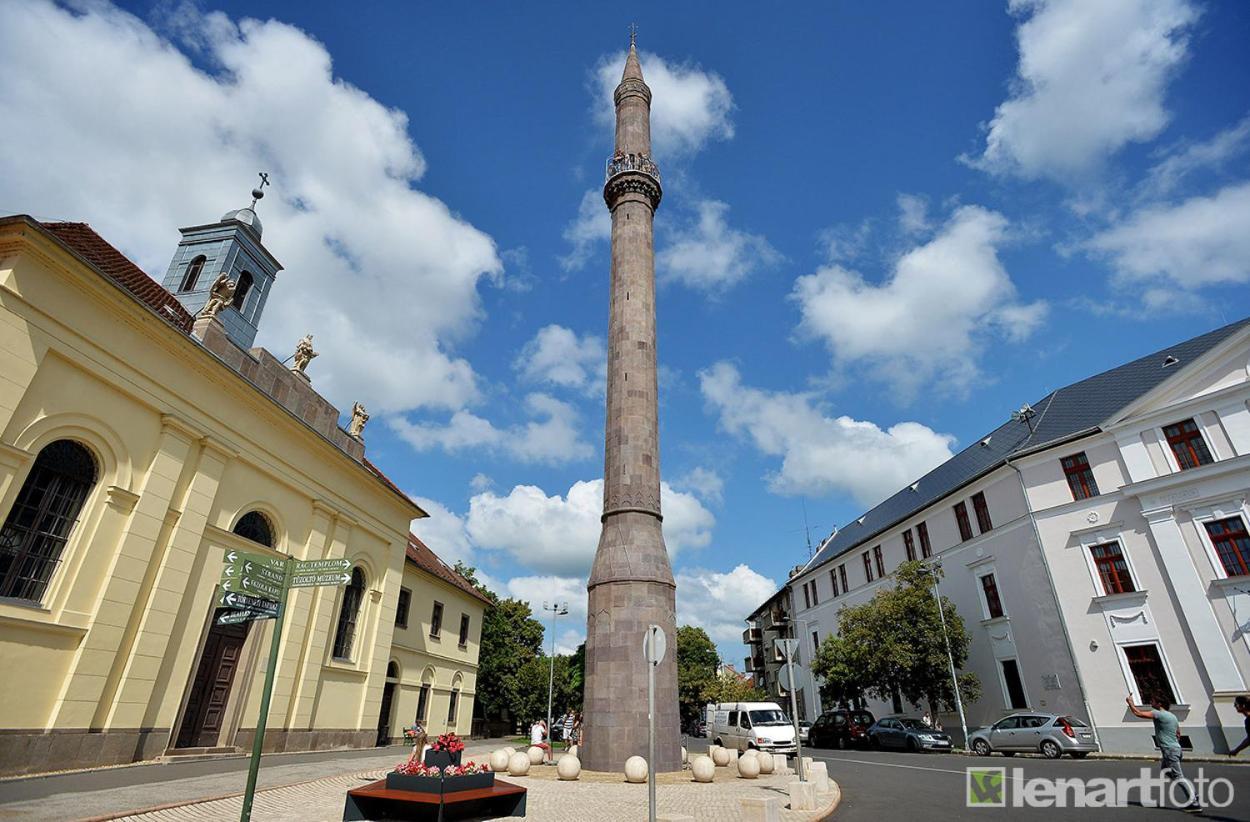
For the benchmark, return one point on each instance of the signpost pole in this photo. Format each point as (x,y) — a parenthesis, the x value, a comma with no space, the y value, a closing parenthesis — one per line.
(258,742)
(794,708)
(652,661)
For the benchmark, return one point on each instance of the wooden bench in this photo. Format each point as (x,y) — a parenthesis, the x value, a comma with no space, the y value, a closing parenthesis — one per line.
(376,801)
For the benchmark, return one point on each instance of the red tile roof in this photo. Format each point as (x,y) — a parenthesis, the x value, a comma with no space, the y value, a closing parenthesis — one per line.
(425,559)
(93,248)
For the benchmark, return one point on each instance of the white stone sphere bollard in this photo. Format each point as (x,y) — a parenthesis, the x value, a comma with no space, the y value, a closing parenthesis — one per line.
(536,755)
(499,759)
(703,768)
(635,769)
(748,767)
(721,757)
(568,767)
(518,764)
(766,763)
(576,751)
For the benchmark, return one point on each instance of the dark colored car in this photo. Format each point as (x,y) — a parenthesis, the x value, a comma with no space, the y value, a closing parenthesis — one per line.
(907,734)
(841,728)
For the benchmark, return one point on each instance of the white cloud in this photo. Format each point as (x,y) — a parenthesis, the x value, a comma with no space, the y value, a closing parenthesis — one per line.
(928,321)
(593,225)
(822,454)
(705,482)
(710,255)
(1091,78)
(720,602)
(689,105)
(913,214)
(554,437)
(145,141)
(556,355)
(1201,241)
(1184,161)
(481,482)
(559,534)
(553,590)
(443,531)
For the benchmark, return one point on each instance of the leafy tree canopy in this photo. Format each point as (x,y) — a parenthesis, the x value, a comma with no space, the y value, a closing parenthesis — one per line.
(696,668)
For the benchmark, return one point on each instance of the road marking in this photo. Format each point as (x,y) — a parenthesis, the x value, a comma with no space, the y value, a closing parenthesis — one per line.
(891,765)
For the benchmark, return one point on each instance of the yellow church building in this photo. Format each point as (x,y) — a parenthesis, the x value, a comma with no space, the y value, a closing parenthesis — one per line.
(142,437)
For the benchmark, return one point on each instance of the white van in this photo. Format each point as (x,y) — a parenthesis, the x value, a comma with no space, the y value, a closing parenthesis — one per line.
(760,725)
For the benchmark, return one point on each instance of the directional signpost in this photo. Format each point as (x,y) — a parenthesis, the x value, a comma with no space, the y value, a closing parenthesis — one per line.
(788,647)
(654,644)
(255,586)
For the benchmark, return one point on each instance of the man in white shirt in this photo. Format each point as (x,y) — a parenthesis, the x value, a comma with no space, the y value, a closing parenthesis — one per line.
(538,739)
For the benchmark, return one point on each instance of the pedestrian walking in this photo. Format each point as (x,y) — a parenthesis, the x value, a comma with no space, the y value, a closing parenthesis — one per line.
(569,721)
(1166,727)
(1242,704)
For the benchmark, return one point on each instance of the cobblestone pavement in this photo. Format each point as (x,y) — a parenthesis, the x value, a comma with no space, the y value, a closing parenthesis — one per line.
(600,797)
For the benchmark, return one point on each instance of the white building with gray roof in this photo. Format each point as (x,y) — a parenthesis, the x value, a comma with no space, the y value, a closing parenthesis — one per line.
(1095,544)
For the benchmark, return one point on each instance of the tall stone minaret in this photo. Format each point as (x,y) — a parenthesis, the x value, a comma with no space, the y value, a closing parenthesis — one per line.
(631,584)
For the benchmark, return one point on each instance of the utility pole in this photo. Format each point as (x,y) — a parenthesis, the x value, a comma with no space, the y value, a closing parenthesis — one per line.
(950,659)
(556,609)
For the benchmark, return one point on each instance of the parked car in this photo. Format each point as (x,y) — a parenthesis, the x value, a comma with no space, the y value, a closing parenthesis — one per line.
(697,728)
(805,729)
(1051,735)
(841,728)
(907,733)
(745,725)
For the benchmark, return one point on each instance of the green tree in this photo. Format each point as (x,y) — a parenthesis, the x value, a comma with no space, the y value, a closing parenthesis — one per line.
(696,668)
(511,638)
(529,686)
(892,647)
(730,688)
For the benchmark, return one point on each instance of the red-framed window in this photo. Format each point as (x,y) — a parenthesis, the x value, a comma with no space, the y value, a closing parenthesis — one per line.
(926,549)
(1112,568)
(989,586)
(1080,476)
(1187,443)
(807,596)
(1146,664)
(815,598)
(842,576)
(878,560)
(910,544)
(961,517)
(1232,545)
(868,566)
(833,580)
(982,510)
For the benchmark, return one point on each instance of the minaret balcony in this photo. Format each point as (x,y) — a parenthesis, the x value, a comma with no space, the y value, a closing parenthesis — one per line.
(624,163)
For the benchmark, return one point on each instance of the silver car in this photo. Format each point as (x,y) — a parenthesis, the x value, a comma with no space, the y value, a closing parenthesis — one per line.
(1051,735)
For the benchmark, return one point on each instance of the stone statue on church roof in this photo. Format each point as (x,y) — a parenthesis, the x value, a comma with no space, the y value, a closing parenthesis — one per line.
(219,296)
(359,418)
(304,353)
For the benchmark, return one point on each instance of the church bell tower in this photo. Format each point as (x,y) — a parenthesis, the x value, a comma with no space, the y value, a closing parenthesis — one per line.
(230,246)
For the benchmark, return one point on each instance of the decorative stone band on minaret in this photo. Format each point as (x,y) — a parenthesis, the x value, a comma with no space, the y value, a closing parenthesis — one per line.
(631,584)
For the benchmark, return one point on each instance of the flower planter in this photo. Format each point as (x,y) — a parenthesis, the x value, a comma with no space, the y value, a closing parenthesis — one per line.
(416,784)
(434,784)
(441,759)
(468,782)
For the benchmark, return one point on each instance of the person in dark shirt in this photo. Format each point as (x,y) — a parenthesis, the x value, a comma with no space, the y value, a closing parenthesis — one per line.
(1242,704)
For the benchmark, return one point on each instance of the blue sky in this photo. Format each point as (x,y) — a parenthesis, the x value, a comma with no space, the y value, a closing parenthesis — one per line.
(885,226)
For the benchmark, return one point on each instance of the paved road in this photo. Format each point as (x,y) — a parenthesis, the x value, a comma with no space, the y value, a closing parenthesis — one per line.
(880,785)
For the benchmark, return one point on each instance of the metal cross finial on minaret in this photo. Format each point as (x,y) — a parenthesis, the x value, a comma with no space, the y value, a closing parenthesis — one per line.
(633,34)
(259,191)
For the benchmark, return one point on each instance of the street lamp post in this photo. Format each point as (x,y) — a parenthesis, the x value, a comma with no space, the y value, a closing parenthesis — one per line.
(932,568)
(556,609)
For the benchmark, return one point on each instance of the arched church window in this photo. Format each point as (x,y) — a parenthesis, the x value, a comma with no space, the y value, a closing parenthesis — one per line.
(241,290)
(192,276)
(353,595)
(47,507)
(255,526)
